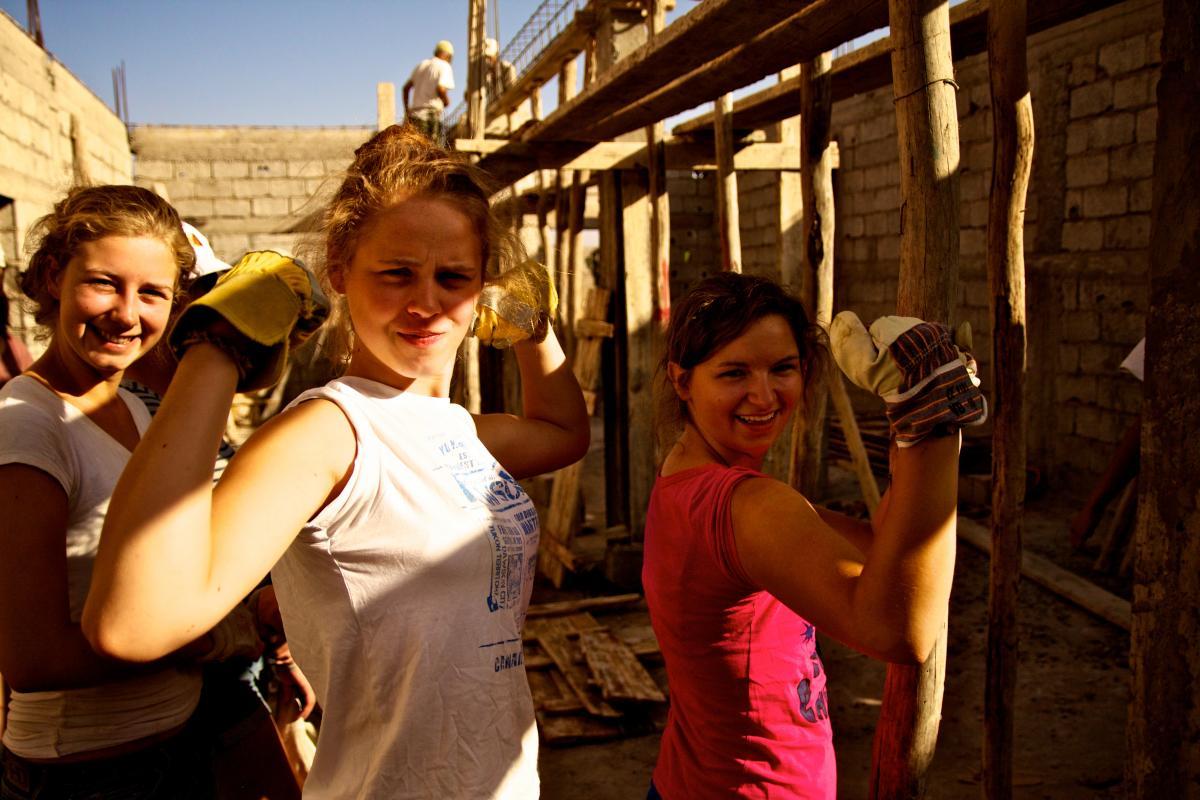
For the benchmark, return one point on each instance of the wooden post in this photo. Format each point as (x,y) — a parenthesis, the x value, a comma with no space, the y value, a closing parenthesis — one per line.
(535,102)
(79,157)
(385,105)
(816,253)
(1012,160)
(660,235)
(789,201)
(476,35)
(562,211)
(927,132)
(1164,728)
(728,222)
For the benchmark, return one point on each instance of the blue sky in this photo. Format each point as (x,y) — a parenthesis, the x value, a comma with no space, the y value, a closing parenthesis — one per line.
(255,62)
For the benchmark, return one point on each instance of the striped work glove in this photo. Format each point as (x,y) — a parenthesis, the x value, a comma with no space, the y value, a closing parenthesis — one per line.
(927,381)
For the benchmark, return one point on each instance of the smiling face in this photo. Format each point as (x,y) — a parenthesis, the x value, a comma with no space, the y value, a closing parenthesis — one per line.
(114,301)
(740,398)
(411,287)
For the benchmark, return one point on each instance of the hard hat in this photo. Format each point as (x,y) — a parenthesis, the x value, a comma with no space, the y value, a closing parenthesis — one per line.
(443,46)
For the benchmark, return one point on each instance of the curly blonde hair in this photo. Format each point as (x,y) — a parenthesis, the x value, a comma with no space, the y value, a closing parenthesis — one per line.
(395,164)
(89,213)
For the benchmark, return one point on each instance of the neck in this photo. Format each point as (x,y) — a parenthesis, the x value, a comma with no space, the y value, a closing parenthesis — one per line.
(68,377)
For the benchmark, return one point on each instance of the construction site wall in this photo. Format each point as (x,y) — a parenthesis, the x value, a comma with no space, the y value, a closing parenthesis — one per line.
(54,132)
(1087,223)
(245,187)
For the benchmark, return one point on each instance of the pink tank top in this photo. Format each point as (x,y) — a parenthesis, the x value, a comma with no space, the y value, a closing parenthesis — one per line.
(749,716)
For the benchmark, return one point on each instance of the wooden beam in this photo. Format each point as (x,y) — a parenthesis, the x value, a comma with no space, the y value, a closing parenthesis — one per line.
(562,607)
(729,224)
(927,133)
(1164,738)
(1012,160)
(869,67)
(476,35)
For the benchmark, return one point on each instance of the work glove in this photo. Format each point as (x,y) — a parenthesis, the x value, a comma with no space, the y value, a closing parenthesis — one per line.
(928,383)
(271,299)
(518,305)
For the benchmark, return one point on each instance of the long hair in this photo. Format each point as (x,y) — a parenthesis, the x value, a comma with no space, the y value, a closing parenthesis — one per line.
(89,213)
(714,313)
(395,164)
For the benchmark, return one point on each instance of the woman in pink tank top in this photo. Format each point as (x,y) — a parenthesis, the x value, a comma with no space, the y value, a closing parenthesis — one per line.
(742,570)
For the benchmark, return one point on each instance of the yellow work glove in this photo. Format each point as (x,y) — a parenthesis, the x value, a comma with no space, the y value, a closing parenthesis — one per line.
(516,306)
(928,383)
(271,299)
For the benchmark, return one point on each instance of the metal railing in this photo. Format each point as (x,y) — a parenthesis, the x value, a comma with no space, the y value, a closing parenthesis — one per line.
(547,21)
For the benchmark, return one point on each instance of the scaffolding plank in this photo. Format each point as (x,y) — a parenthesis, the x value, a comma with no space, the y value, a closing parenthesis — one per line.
(616,669)
(870,67)
(567,657)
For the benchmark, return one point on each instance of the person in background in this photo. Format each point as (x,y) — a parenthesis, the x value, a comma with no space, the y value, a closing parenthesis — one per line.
(102,280)
(498,75)
(401,546)
(426,94)
(741,570)
(14,356)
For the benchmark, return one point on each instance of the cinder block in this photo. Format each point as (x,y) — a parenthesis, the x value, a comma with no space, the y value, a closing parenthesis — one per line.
(316,169)
(1081,326)
(1068,358)
(1083,70)
(853,180)
(879,224)
(249,187)
(1154,48)
(1127,233)
(269,169)
(1094,423)
(1077,388)
(972,241)
(1147,124)
(193,169)
(1111,130)
(1123,325)
(1069,291)
(1093,98)
(1118,58)
(154,170)
(231,169)
(1077,137)
(887,248)
(1135,91)
(229,246)
(1083,236)
(285,187)
(231,208)
(1133,161)
(1088,170)
(1141,195)
(194,209)
(212,187)
(1096,359)
(269,206)
(1105,201)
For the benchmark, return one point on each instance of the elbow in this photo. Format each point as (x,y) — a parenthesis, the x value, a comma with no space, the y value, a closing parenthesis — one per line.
(911,648)
(580,441)
(108,640)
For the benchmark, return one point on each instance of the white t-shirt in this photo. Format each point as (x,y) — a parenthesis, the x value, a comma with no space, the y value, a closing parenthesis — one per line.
(40,429)
(403,602)
(426,78)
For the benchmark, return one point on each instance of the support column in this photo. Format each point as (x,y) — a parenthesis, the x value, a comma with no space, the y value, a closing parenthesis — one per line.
(927,132)
(1164,727)
(728,220)
(1012,160)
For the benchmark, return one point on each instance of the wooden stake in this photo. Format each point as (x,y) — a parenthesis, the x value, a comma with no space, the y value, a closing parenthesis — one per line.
(476,34)
(727,194)
(927,133)
(1012,160)
(1163,747)
(854,442)
(385,105)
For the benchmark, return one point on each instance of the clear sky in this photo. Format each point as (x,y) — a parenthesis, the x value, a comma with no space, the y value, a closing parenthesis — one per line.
(256,62)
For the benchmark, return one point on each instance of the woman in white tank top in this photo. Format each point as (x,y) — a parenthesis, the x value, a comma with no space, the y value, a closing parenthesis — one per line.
(405,547)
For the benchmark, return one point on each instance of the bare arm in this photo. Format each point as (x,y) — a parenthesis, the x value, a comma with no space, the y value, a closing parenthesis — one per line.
(175,554)
(553,430)
(41,649)
(890,604)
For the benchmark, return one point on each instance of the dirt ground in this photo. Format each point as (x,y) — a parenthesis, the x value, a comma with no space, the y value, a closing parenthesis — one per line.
(1071,695)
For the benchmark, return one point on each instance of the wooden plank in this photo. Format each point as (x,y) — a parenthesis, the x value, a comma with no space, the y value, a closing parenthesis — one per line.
(574,728)
(548,695)
(567,657)
(593,328)
(859,458)
(728,217)
(869,67)
(1063,583)
(568,625)
(1114,535)
(616,669)
(562,607)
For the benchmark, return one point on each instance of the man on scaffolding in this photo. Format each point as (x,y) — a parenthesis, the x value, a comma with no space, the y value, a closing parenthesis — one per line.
(429,87)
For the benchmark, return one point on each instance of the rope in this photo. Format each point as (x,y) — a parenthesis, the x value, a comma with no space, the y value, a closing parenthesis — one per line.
(922,88)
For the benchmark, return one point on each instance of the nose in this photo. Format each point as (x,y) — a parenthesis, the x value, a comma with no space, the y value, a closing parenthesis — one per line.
(422,301)
(125,309)
(760,390)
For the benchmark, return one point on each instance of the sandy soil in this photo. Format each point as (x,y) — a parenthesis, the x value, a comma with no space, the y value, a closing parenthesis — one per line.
(1070,706)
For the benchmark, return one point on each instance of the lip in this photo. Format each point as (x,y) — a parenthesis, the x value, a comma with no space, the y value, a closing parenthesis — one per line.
(117,343)
(763,420)
(421,338)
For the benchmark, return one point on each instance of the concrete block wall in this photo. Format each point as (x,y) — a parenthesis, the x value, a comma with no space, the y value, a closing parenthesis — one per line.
(1087,222)
(695,242)
(245,187)
(46,114)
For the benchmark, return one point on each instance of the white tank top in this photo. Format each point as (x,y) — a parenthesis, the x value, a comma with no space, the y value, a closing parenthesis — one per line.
(403,602)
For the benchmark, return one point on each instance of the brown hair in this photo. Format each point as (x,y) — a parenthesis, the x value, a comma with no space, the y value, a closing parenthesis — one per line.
(395,164)
(89,213)
(717,311)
